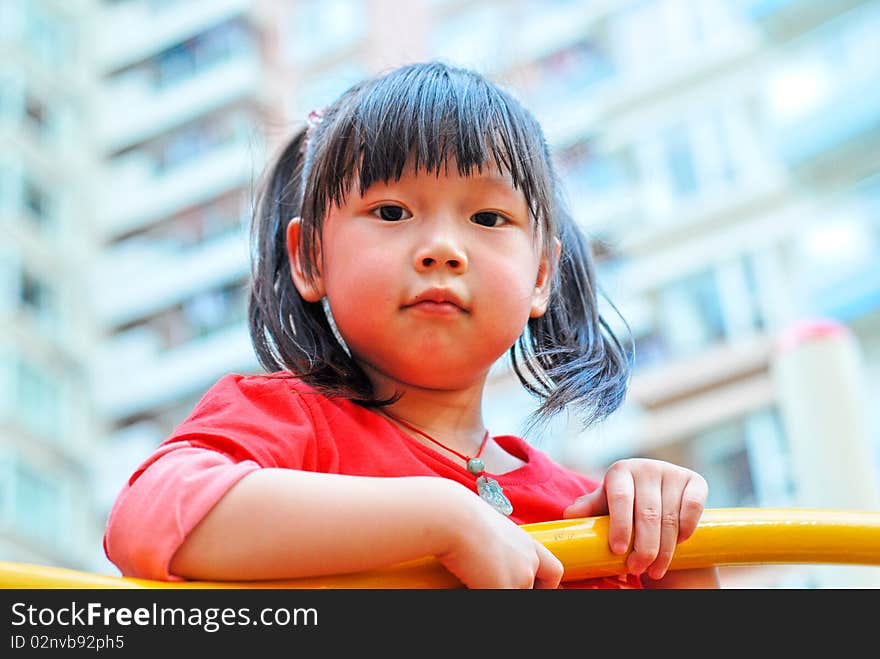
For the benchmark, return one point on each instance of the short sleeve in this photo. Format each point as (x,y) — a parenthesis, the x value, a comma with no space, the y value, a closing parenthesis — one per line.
(243,423)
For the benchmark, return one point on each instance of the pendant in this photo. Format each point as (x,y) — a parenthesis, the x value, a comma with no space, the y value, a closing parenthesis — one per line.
(476,466)
(490,492)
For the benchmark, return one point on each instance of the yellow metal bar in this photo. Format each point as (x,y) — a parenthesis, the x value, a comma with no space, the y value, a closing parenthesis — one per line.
(724,536)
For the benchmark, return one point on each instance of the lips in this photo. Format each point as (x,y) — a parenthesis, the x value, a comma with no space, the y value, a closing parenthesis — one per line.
(439,300)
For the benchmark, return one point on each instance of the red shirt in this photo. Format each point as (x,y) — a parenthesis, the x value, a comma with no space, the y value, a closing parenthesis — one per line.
(248,422)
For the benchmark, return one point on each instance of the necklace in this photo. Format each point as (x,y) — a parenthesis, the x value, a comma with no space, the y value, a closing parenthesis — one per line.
(488,488)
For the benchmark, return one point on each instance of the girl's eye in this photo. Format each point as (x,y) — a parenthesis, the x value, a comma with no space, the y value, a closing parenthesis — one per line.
(488,219)
(391,213)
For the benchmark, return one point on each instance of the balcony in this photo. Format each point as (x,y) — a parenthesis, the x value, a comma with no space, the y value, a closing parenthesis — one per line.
(712,216)
(132,31)
(784,19)
(137,281)
(851,297)
(135,111)
(728,57)
(542,30)
(135,376)
(136,195)
(840,275)
(836,136)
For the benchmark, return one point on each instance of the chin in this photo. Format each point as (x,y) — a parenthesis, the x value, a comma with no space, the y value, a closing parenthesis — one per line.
(439,378)
(444,369)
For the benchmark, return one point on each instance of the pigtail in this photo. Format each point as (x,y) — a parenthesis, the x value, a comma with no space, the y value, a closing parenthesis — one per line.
(289,333)
(570,357)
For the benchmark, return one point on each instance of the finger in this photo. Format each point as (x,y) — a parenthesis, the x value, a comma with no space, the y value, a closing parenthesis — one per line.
(693,502)
(670,494)
(619,495)
(647,512)
(550,569)
(588,505)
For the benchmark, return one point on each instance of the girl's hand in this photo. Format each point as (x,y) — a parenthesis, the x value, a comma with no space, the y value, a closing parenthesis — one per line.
(490,551)
(654,503)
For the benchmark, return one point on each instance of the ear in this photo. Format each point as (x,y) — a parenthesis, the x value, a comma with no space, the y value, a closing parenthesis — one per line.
(311,291)
(544,282)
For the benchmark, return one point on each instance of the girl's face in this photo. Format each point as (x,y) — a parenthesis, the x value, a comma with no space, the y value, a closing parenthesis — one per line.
(430,279)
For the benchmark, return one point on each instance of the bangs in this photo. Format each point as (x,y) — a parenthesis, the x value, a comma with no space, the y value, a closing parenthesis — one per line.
(430,117)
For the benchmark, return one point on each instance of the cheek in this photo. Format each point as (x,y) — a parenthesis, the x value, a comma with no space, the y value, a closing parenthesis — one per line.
(507,301)
(511,282)
(352,263)
(360,289)
(356,288)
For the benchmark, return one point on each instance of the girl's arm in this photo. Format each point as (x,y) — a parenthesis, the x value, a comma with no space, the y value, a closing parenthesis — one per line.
(282,523)
(697,578)
(277,523)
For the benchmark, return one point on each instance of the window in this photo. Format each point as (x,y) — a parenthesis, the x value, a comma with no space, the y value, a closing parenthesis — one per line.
(745,461)
(206,312)
(690,314)
(203,51)
(6,503)
(597,174)
(638,35)
(37,510)
(321,88)
(559,86)
(191,227)
(48,36)
(648,33)
(752,289)
(738,297)
(680,161)
(471,37)
(210,310)
(732,484)
(36,113)
(194,140)
(719,164)
(38,299)
(36,202)
(319,28)
(33,293)
(39,401)
(695,159)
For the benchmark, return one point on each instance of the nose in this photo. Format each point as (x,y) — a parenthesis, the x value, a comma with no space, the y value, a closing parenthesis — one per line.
(441,249)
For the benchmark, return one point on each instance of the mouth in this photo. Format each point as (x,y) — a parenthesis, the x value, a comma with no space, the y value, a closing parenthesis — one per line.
(437,308)
(437,301)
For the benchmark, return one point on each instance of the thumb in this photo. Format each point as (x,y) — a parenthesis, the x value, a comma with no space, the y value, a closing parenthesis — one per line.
(550,569)
(588,505)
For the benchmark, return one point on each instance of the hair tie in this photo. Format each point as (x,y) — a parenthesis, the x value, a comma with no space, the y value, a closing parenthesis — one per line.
(315,117)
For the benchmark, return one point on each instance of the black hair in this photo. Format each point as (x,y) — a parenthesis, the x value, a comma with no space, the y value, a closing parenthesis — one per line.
(425,115)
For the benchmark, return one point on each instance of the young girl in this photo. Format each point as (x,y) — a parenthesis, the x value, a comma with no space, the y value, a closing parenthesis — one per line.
(405,240)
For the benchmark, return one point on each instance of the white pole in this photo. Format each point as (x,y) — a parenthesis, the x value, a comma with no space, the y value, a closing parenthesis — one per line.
(822,399)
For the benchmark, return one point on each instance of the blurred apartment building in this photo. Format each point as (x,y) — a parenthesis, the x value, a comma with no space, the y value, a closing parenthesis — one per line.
(722,153)
(47,422)
(180,92)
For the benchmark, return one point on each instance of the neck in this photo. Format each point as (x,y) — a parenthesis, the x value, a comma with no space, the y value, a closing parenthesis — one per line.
(452,417)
